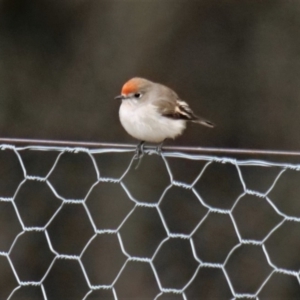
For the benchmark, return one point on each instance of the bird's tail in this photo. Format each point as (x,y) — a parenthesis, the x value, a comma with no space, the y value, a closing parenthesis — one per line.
(204,122)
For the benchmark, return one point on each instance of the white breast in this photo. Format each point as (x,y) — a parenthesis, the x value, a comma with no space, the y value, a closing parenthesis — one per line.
(143,122)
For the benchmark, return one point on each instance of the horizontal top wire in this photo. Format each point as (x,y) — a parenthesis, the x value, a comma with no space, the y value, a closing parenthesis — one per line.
(132,146)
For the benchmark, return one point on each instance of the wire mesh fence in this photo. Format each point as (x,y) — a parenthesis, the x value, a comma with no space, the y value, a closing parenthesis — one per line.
(84,223)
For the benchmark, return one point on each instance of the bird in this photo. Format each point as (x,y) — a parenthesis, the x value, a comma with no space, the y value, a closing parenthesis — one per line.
(152,112)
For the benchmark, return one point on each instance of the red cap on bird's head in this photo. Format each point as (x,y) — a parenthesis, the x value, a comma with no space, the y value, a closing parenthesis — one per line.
(134,85)
(130,87)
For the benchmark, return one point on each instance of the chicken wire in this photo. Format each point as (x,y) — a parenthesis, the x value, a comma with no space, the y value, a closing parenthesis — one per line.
(229,248)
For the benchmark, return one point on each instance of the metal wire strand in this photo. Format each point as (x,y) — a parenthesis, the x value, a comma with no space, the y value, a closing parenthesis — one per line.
(133,146)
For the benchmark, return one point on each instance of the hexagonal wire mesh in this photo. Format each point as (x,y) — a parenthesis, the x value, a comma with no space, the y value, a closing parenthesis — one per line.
(83,223)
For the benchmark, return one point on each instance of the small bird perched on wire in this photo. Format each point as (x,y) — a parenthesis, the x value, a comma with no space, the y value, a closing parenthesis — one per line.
(152,112)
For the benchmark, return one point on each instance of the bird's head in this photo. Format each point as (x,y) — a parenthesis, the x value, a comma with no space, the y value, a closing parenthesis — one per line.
(134,88)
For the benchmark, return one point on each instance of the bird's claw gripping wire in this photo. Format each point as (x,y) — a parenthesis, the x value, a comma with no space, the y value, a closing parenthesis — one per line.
(158,149)
(139,153)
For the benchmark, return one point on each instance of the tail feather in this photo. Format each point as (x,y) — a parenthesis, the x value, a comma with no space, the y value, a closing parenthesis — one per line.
(204,122)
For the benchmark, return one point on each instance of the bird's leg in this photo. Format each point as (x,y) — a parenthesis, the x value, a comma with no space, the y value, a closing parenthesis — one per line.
(139,153)
(159,148)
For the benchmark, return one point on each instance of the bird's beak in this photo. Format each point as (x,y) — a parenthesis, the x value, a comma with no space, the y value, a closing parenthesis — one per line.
(120,97)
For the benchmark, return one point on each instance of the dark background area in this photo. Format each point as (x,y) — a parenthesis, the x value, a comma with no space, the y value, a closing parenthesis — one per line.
(62,63)
(235,62)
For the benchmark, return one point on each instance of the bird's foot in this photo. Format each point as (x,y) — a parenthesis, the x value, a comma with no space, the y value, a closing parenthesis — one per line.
(139,153)
(159,148)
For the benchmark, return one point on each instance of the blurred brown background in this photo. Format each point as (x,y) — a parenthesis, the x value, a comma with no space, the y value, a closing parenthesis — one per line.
(62,62)
(236,62)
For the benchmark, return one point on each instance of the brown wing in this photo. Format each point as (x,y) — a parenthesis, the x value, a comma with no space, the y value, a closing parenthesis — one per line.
(179,110)
(173,108)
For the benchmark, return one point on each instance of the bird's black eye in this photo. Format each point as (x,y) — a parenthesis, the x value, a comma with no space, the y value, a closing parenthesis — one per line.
(137,95)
